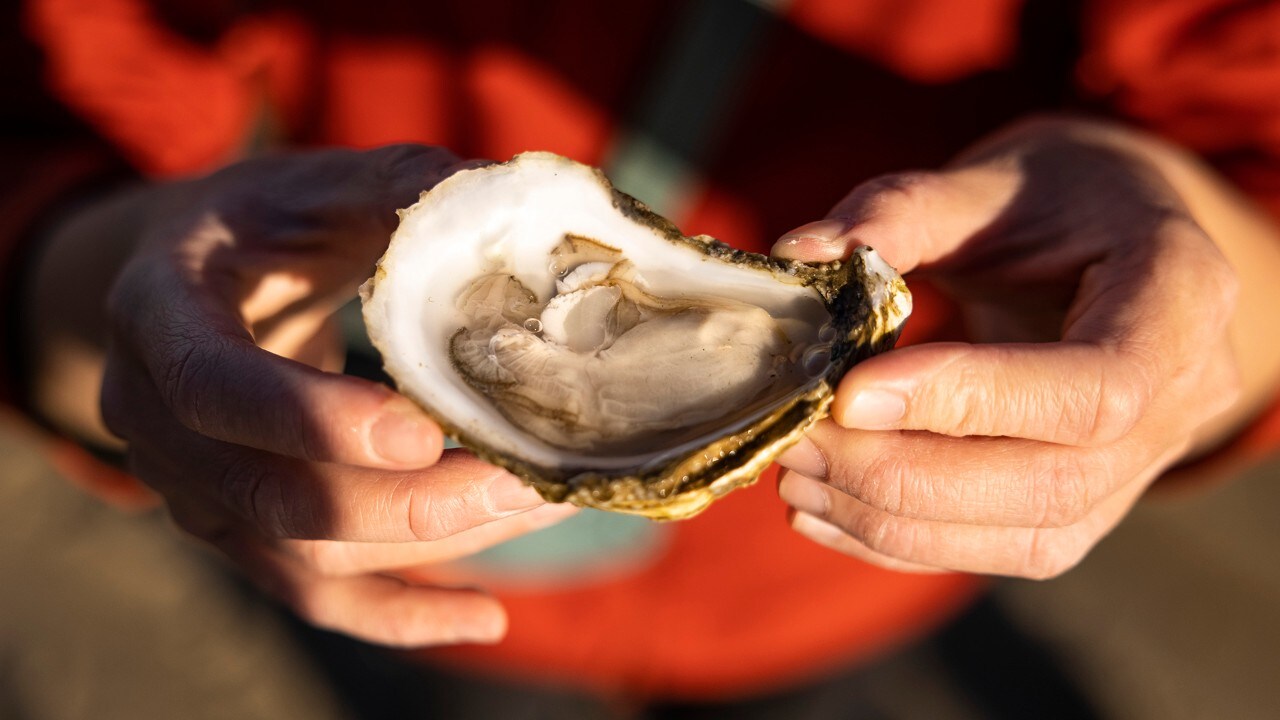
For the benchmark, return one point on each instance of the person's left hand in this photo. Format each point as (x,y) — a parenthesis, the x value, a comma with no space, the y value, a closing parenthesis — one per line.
(1099,310)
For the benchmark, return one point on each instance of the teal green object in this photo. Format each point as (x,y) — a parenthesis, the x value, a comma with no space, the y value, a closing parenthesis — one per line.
(587,540)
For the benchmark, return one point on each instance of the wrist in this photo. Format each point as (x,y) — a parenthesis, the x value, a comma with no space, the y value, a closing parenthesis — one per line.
(62,332)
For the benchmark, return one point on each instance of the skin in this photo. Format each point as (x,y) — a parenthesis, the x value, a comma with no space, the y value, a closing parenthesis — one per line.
(219,295)
(1117,295)
(1134,271)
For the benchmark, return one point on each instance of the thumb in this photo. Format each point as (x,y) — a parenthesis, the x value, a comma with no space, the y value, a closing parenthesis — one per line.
(912,219)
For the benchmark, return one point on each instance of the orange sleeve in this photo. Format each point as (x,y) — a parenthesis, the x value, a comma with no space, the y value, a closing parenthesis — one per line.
(1205,74)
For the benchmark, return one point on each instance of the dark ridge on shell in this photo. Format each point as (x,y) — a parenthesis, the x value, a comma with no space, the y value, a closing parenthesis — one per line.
(851,310)
(638,212)
(603,486)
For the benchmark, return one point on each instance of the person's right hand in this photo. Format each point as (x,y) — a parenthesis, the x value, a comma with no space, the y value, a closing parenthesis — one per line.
(312,482)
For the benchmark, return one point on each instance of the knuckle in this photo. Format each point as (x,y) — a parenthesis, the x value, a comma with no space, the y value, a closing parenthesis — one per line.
(430,517)
(1064,488)
(967,402)
(418,506)
(435,514)
(1077,412)
(185,381)
(885,534)
(1117,406)
(255,492)
(971,409)
(887,484)
(315,438)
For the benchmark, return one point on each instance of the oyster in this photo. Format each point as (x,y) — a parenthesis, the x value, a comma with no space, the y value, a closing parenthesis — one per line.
(562,330)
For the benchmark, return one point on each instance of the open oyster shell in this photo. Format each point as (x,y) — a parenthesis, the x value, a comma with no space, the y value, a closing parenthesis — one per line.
(562,330)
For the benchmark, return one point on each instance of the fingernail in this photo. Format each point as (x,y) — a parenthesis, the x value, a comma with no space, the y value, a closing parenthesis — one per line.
(805,458)
(873,410)
(819,240)
(803,494)
(508,494)
(404,436)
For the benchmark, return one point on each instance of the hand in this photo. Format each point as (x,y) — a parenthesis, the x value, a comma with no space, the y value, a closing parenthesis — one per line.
(1099,311)
(311,481)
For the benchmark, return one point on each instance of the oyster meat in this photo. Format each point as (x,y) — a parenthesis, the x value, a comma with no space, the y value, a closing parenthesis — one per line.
(562,330)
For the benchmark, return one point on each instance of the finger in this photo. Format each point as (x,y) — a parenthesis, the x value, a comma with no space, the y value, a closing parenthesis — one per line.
(285,498)
(911,218)
(977,480)
(1022,552)
(1124,341)
(830,536)
(337,558)
(374,608)
(214,379)
(1070,392)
